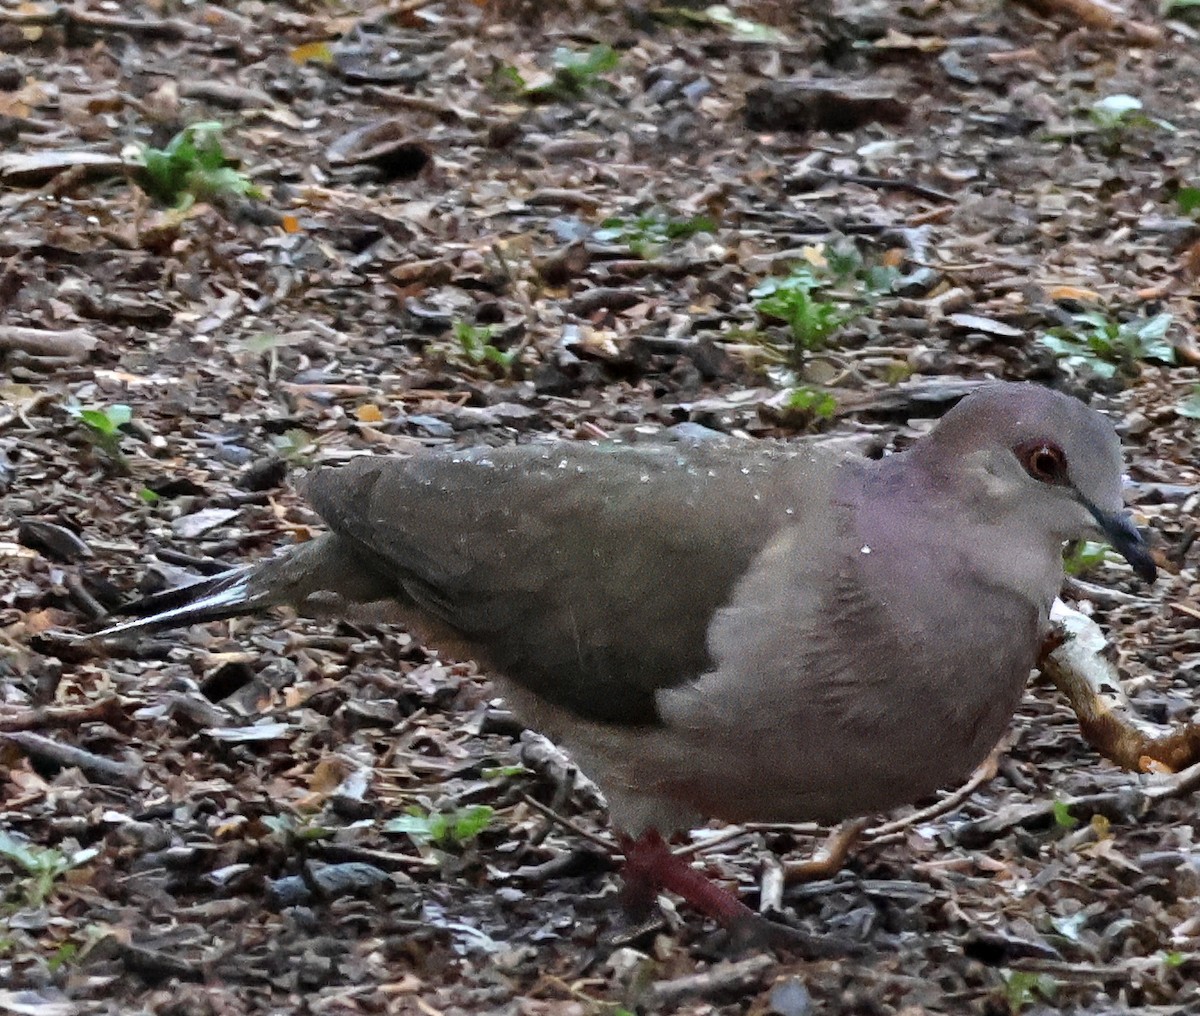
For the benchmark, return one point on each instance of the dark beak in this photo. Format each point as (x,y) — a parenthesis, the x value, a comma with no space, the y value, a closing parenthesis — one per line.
(1127,541)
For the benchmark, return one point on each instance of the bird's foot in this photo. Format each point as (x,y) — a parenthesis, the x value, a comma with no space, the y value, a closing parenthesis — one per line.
(651,866)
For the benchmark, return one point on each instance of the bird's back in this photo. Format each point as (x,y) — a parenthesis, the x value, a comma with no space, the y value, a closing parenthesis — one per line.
(588,574)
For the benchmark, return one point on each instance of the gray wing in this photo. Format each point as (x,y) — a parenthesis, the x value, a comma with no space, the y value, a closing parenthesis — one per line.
(589,574)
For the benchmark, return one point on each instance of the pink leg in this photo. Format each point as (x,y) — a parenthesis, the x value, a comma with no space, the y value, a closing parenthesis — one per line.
(650,866)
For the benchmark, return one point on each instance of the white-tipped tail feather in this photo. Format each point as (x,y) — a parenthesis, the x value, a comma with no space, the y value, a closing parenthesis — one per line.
(211,599)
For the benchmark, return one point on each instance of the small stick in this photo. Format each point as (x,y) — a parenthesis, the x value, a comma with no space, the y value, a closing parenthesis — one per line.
(984,772)
(770,899)
(97,767)
(42,717)
(606,845)
(827,861)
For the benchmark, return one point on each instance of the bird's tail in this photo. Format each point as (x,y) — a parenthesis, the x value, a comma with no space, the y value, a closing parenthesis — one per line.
(215,598)
(327,566)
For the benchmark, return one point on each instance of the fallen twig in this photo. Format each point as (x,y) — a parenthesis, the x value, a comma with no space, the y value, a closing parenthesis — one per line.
(1078,668)
(43,717)
(606,845)
(829,859)
(1125,805)
(1094,14)
(151,28)
(97,767)
(891,831)
(72,343)
(739,977)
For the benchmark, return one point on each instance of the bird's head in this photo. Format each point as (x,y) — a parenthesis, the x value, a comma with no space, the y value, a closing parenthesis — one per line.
(1045,459)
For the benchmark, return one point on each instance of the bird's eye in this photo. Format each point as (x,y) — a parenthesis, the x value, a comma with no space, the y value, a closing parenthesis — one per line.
(1043,460)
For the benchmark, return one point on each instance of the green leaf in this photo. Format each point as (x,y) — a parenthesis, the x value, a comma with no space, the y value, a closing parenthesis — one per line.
(118,415)
(811,400)
(1063,817)
(1082,556)
(1190,406)
(1188,198)
(98,421)
(149,496)
(597,60)
(443,828)
(743,28)
(63,955)
(502,772)
(1023,987)
(193,165)
(26,855)
(467,823)
(1117,105)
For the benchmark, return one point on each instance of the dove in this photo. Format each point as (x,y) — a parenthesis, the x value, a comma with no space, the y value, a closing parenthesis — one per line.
(735,630)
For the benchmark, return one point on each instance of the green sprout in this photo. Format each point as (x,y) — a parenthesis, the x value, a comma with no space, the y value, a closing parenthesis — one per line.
(1063,817)
(1115,117)
(1189,407)
(192,167)
(811,401)
(42,866)
(476,347)
(102,429)
(1024,987)
(1082,556)
(1188,200)
(817,300)
(811,320)
(1105,348)
(442,828)
(572,75)
(648,234)
(296,446)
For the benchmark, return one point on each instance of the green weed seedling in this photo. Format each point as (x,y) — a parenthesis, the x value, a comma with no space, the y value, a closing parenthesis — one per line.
(1103,347)
(816,301)
(1082,556)
(1023,988)
(476,348)
(442,829)
(1063,819)
(811,401)
(648,234)
(572,75)
(1188,200)
(192,167)
(1116,118)
(1189,407)
(811,319)
(102,428)
(296,446)
(41,867)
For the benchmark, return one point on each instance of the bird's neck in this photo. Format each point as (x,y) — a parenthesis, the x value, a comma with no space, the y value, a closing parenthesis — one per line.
(922,517)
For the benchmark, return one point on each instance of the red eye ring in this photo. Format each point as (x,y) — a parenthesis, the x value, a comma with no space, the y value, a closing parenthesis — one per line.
(1043,460)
